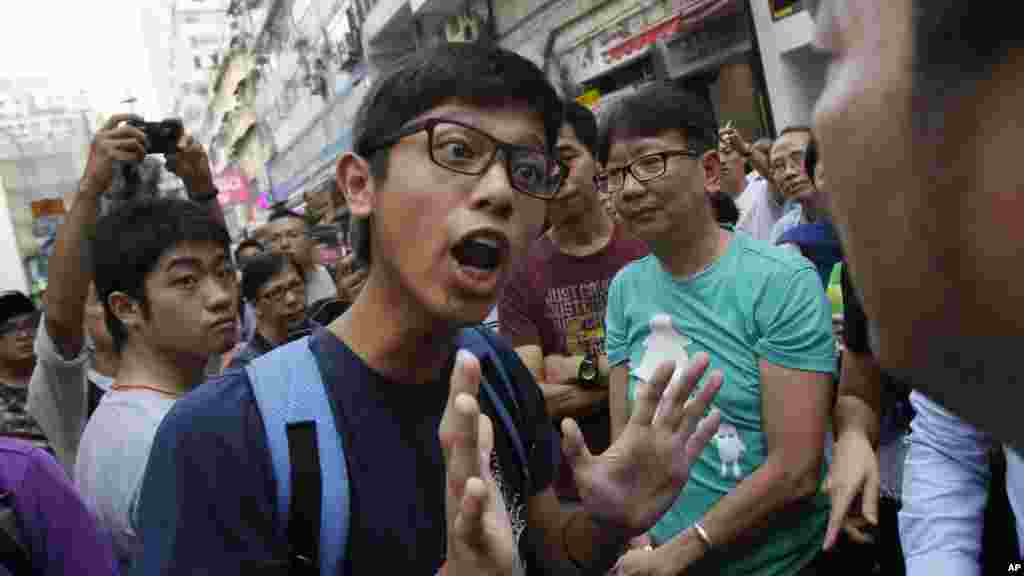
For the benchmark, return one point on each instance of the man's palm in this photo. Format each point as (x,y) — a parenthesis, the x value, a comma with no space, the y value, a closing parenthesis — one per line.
(480,537)
(633,483)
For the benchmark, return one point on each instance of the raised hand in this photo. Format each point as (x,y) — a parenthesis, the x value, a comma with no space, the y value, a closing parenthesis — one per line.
(350,280)
(637,479)
(191,164)
(480,537)
(732,140)
(114,141)
(854,472)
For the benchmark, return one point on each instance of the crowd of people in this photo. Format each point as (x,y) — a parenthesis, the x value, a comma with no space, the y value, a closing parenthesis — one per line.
(549,343)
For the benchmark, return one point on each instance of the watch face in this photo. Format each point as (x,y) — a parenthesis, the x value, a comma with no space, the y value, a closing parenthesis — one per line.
(588,371)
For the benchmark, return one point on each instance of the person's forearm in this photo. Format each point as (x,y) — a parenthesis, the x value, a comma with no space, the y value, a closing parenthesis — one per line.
(618,403)
(591,547)
(767,491)
(68,287)
(858,408)
(565,401)
(854,416)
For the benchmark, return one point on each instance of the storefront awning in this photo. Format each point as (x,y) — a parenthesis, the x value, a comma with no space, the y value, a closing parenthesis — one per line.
(692,14)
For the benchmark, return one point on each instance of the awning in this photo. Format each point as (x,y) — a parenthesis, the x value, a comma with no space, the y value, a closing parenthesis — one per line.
(692,14)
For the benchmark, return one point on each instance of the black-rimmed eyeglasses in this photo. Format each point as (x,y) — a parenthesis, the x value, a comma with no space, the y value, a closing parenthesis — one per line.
(643,169)
(277,293)
(467,150)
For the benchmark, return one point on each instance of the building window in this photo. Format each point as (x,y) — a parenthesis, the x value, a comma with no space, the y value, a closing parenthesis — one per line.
(191,19)
(197,62)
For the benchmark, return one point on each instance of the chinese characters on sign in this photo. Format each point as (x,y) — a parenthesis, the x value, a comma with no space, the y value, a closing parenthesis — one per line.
(233,186)
(784,8)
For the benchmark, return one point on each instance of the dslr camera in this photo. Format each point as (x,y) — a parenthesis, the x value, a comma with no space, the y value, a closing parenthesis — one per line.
(163,136)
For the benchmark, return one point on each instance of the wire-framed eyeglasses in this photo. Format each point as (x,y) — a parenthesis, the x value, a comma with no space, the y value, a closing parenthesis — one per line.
(644,169)
(464,149)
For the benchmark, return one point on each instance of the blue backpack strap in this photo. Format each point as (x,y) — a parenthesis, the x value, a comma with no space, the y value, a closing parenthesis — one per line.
(474,340)
(289,391)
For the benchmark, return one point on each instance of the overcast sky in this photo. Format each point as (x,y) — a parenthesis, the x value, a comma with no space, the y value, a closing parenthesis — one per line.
(97,45)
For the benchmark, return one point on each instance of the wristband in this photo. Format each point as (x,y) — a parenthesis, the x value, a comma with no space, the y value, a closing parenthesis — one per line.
(702,534)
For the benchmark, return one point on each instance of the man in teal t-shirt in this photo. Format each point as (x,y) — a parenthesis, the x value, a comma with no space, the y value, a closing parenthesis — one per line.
(752,505)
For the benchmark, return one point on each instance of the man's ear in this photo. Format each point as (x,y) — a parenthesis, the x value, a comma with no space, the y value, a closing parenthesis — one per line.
(127,310)
(355,182)
(712,166)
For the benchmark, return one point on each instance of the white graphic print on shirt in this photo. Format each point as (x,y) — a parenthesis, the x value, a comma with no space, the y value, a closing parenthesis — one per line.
(664,343)
(513,505)
(730,450)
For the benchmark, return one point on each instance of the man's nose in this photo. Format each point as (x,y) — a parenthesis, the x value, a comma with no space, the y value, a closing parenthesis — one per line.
(632,189)
(493,192)
(290,298)
(221,293)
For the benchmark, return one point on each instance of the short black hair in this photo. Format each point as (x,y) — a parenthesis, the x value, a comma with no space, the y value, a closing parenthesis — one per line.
(14,303)
(656,108)
(259,269)
(282,213)
(131,239)
(477,73)
(247,243)
(583,123)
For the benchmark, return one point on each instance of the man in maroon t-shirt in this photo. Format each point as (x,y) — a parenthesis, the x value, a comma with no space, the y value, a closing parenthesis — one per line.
(552,312)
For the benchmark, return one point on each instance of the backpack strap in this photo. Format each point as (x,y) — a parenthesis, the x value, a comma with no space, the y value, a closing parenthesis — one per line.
(475,340)
(305,448)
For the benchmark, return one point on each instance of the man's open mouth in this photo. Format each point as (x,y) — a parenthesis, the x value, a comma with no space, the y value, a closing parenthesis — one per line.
(483,250)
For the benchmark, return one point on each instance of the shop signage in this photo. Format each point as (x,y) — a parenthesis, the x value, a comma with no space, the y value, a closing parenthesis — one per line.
(47,207)
(666,28)
(785,8)
(700,46)
(591,57)
(589,98)
(233,186)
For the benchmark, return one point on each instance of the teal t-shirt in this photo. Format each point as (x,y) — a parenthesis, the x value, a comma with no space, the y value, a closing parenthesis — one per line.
(756,301)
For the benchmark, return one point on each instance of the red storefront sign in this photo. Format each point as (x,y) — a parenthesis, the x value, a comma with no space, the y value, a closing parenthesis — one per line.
(233,186)
(690,14)
(665,28)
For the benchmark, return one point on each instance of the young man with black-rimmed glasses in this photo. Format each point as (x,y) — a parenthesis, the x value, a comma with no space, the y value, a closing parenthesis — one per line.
(19,320)
(452,166)
(273,286)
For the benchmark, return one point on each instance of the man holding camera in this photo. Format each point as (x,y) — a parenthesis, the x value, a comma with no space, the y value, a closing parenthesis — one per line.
(159,309)
(76,358)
